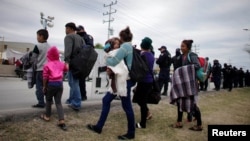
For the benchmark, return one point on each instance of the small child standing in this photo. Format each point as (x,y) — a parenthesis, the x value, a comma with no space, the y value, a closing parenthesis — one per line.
(53,85)
(38,59)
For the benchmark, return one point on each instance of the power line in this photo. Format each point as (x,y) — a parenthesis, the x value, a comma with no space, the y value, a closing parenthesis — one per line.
(110,31)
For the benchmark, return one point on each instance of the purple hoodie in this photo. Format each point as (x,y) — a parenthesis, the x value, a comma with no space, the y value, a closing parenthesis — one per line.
(53,70)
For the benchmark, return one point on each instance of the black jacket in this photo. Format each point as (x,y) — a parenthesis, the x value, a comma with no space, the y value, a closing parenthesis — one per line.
(89,40)
(164,60)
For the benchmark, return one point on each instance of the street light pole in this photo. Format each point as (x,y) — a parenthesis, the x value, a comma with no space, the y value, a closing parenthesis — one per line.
(46,21)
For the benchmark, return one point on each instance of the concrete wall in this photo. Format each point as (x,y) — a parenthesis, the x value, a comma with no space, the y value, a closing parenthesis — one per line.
(7,70)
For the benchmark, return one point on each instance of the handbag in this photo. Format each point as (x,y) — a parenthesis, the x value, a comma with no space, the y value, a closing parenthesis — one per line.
(154,96)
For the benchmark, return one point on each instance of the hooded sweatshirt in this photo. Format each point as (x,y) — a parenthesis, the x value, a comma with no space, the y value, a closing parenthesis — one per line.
(54,69)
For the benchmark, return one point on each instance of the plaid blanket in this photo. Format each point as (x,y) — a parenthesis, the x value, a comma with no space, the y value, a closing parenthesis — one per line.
(184,87)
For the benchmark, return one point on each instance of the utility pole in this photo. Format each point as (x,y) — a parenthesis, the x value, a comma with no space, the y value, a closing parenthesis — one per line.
(196,49)
(110,31)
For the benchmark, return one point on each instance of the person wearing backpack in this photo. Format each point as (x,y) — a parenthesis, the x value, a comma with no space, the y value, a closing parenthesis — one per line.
(164,62)
(204,85)
(124,53)
(144,87)
(72,43)
(89,40)
(184,87)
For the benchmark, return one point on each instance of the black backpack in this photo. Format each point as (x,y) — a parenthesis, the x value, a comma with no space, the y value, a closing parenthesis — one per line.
(139,67)
(82,63)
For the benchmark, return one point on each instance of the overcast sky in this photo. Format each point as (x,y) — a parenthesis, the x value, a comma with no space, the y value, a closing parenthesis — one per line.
(216,26)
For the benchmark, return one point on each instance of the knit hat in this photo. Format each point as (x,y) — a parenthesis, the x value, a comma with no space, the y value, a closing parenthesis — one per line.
(146,43)
(53,53)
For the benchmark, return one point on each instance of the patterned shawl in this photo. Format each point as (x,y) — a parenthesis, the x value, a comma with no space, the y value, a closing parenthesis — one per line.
(184,87)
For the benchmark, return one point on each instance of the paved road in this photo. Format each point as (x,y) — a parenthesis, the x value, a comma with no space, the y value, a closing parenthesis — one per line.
(16,97)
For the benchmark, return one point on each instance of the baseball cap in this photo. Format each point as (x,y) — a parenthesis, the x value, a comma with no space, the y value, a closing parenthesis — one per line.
(162,47)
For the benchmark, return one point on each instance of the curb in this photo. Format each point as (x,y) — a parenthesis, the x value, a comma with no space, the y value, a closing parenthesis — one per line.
(25,113)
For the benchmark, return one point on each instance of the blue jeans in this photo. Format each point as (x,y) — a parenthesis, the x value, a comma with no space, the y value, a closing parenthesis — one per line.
(126,105)
(39,88)
(74,92)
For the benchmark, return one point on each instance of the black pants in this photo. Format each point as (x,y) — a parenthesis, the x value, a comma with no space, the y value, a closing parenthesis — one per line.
(163,79)
(204,85)
(56,92)
(82,85)
(142,92)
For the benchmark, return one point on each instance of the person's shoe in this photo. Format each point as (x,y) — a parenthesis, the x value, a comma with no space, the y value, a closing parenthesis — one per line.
(62,126)
(126,137)
(38,106)
(67,102)
(84,98)
(138,125)
(149,116)
(164,93)
(117,98)
(73,107)
(44,117)
(177,125)
(196,128)
(94,128)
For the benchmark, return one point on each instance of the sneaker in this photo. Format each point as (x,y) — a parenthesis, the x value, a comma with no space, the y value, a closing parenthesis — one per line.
(126,137)
(73,107)
(138,125)
(117,98)
(94,128)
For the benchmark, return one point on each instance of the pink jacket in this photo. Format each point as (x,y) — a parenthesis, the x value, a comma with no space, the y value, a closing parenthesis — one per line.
(54,69)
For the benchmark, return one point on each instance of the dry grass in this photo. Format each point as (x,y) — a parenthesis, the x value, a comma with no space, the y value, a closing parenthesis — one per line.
(216,107)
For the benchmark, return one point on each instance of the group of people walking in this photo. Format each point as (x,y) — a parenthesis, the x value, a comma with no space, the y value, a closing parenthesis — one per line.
(225,77)
(50,70)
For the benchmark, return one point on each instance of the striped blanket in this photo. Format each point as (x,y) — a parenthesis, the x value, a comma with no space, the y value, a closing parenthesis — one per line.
(184,87)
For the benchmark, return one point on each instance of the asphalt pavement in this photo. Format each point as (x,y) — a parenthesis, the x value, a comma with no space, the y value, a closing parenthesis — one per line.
(17,98)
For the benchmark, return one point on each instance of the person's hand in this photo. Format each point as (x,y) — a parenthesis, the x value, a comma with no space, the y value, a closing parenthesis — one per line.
(44,90)
(67,66)
(109,71)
